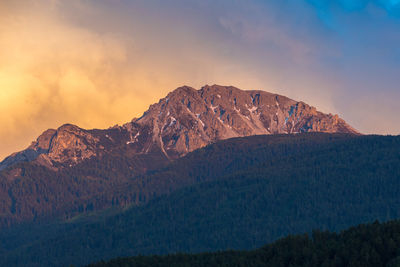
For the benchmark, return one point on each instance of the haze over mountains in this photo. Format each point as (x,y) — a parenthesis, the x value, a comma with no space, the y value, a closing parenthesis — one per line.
(185,120)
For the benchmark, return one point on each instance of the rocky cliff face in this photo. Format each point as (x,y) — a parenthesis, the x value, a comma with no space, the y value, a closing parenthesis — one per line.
(185,120)
(188,119)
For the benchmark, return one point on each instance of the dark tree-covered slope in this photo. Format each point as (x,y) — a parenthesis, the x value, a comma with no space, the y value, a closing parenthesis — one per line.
(34,193)
(35,182)
(366,245)
(235,194)
(31,192)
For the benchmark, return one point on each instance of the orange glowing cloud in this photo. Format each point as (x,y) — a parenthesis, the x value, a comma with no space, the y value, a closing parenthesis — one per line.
(54,72)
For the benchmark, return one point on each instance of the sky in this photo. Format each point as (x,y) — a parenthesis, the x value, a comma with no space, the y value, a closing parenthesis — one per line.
(97,63)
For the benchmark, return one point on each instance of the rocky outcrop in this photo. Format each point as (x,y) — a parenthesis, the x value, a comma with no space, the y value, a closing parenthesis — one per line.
(188,119)
(185,120)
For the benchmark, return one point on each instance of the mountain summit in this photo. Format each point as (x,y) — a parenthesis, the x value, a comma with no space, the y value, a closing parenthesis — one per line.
(185,120)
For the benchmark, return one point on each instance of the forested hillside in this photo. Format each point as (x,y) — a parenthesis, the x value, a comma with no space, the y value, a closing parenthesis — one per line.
(366,245)
(71,170)
(235,194)
(33,193)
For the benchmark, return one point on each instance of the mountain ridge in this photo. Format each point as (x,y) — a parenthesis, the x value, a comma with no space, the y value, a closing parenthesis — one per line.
(183,121)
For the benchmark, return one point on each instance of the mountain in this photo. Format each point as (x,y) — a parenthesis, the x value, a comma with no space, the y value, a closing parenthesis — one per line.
(71,170)
(185,120)
(238,193)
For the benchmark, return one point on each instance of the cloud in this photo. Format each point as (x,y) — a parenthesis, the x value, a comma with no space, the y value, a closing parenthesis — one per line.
(54,70)
(96,63)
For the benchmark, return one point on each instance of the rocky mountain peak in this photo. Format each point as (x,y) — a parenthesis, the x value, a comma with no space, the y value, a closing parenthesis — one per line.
(188,119)
(185,120)
(71,143)
(43,142)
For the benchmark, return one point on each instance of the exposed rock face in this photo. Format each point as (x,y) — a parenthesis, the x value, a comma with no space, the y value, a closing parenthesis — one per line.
(70,143)
(188,119)
(185,120)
